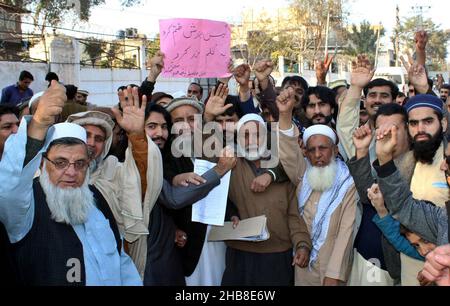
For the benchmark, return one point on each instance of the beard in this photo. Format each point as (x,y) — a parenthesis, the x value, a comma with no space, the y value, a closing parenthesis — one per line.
(160,142)
(67,205)
(327,119)
(322,178)
(424,151)
(252,152)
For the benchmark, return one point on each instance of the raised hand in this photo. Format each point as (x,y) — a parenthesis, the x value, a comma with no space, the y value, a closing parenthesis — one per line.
(385,145)
(286,101)
(421,39)
(362,138)
(50,105)
(322,68)
(216,103)
(376,198)
(242,75)
(362,72)
(132,118)
(156,65)
(263,69)
(417,74)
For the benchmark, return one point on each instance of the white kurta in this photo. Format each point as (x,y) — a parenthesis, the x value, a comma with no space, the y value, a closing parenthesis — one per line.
(211,265)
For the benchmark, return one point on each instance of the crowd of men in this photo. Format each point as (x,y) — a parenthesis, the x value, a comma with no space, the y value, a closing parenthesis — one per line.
(356,195)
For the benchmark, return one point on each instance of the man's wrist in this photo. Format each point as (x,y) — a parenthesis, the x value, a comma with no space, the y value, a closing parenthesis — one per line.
(321,81)
(384,159)
(382,212)
(361,153)
(422,89)
(285,122)
(220,171)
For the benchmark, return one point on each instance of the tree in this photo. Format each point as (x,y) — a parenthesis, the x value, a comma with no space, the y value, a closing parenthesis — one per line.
(437,40)
(363,40)
(298,31)
(153,46)
(306,35)
(53,12)
(94,48)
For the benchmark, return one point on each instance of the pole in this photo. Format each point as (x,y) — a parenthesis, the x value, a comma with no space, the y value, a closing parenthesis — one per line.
(327,30)
(378,46)
(326,34)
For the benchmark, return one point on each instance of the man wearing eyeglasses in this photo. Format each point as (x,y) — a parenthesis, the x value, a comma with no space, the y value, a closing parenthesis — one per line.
(61,229)
(120,183)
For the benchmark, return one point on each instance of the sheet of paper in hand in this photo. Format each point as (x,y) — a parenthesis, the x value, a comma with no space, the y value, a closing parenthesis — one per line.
(251,229)
(195,48)
(211,209)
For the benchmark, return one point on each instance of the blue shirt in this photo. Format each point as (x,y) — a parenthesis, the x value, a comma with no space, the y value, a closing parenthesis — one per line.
(14,96)
(104,266)
(391,230)
(248,107)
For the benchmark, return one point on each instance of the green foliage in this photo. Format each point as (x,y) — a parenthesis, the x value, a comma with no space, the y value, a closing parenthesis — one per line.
(363,40)
(94,49)
(153,46)
(437,40)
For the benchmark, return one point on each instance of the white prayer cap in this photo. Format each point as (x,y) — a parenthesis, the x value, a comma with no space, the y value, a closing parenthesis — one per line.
(248,118)
(66,130)
(319,129)
(35,97)
(178,94)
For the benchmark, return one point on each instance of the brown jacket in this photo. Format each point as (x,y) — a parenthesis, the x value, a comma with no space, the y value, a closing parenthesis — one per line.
(278,203)
(70,108)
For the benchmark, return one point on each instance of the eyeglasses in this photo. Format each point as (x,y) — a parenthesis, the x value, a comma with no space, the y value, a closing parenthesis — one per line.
(64,164)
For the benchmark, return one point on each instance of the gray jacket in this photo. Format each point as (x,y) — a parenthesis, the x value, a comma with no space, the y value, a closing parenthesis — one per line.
(421,217)
(361,171)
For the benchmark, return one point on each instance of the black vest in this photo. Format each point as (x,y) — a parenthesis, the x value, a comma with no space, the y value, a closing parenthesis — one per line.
(44,257)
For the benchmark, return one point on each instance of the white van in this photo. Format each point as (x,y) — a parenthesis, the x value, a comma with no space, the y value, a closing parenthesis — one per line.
(398,75)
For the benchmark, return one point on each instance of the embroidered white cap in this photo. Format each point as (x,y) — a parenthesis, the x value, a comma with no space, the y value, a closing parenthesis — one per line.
(248,118)
(319,129)
(66,130)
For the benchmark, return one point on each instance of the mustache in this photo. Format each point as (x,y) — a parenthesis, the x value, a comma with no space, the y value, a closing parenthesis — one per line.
(159,138)
(423,134)
(317,116)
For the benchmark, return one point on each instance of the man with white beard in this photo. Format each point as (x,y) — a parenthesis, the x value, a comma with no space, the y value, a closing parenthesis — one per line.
(61,229)
(120,183)
(265,263)
(326,197)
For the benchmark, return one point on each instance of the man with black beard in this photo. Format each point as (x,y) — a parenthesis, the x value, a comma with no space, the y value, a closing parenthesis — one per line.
(164,261)
(61,229)
(320,106)
(426,124)
(444,92)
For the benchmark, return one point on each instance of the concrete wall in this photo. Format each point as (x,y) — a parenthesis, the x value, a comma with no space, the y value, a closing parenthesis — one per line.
(10,71)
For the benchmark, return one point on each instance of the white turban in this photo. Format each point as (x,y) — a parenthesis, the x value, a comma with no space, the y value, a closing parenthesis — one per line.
(319,129)
(248,118)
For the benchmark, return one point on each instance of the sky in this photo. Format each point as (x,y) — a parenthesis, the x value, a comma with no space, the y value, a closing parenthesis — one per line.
(110,18)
